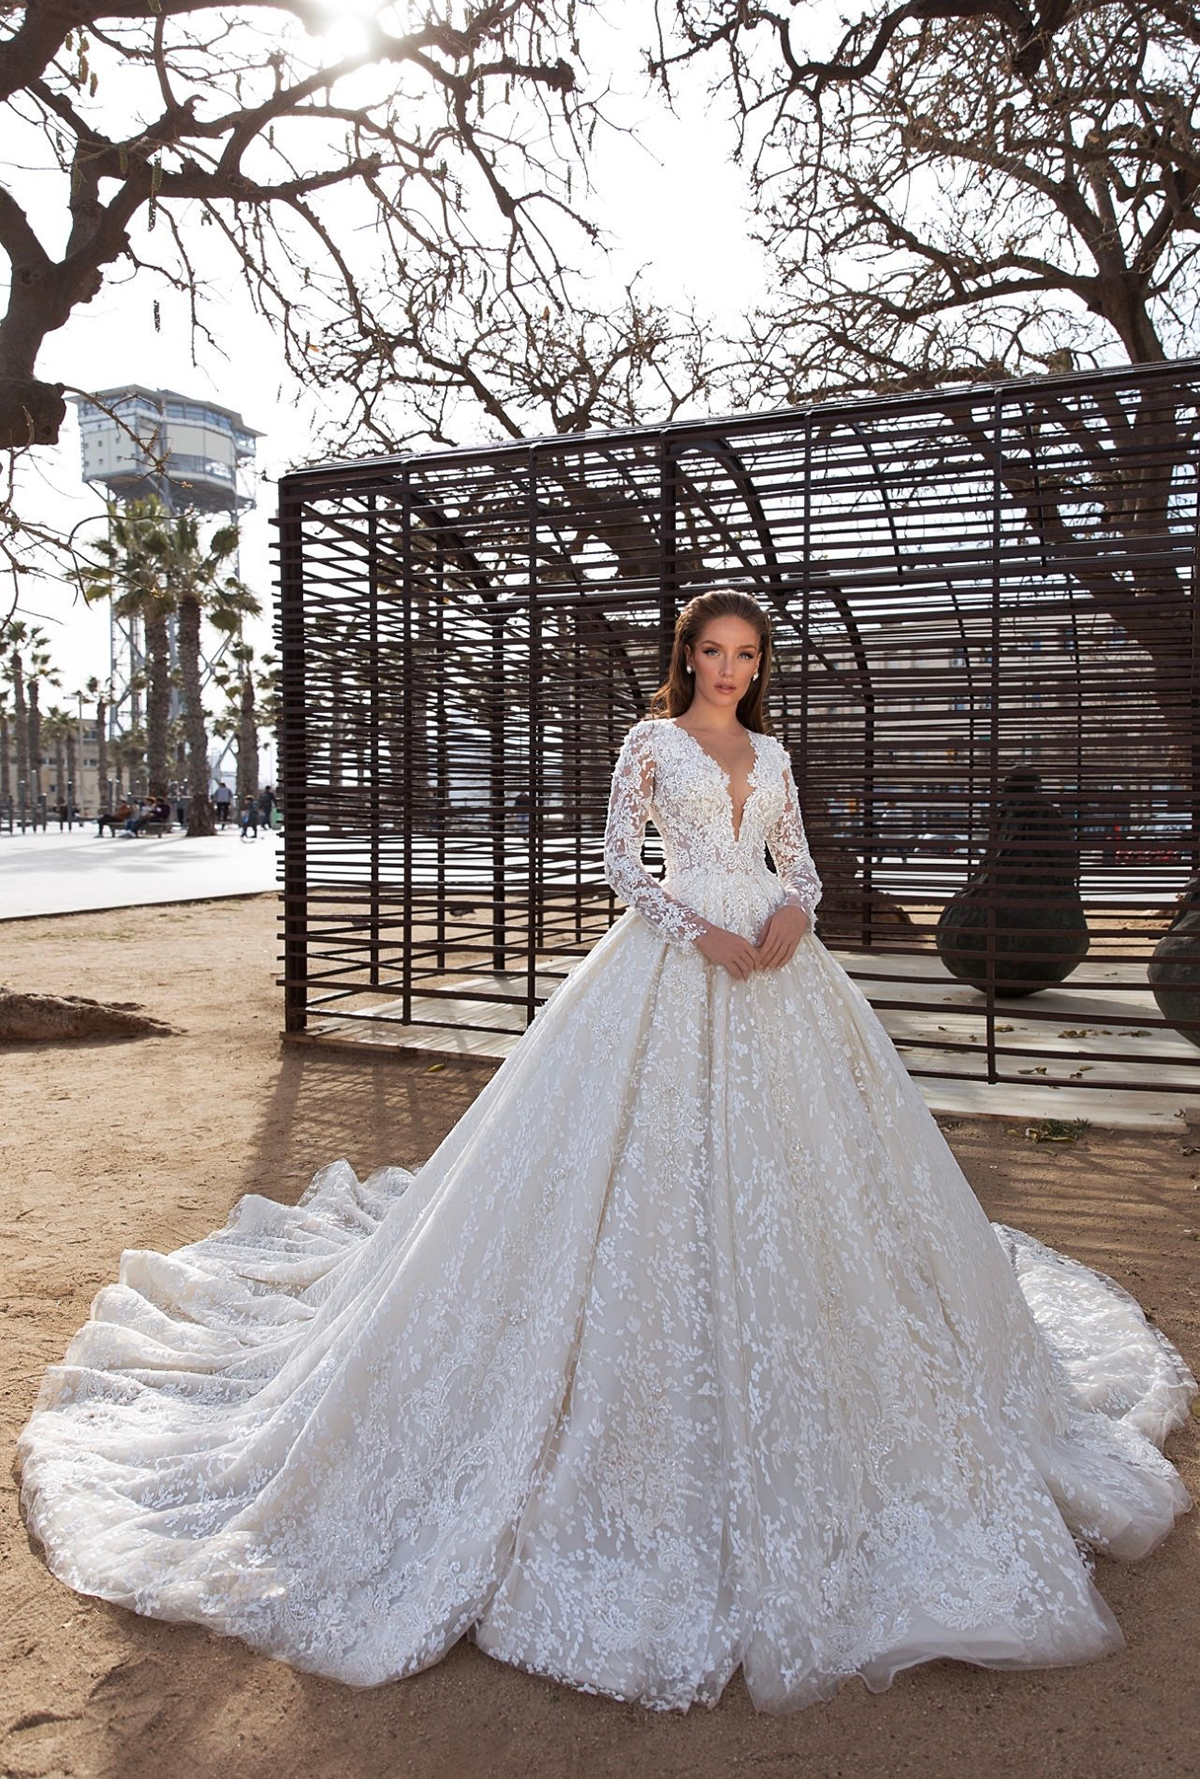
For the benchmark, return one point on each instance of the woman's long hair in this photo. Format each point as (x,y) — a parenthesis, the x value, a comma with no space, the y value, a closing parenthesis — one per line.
(675,694)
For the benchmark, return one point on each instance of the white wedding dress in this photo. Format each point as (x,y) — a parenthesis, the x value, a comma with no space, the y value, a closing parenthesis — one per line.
(689,1347)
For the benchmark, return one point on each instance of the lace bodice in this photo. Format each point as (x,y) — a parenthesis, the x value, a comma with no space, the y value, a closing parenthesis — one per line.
(664,772)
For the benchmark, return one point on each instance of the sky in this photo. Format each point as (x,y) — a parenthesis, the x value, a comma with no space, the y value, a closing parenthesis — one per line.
(665,191)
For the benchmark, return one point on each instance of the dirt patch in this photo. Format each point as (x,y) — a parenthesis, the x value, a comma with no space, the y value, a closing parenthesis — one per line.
(59,1019)
(108,1145)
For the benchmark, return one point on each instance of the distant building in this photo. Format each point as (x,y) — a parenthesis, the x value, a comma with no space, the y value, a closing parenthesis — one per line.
(87,786)
(135,442)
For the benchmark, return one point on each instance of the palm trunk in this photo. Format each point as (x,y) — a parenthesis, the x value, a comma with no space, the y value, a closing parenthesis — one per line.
(131,763)
(158,701)
(60,770)
(137,662)
(200,816)
(21,729)
(35,741)
(247,743)
(5,763)
(103,801)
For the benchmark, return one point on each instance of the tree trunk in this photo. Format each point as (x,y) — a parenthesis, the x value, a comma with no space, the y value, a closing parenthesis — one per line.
(158,701)
(103,801)
(200,815)
(247,743)
(5,763)
(1155,613)
(31,412)
(20,729)
(35,741)
(60,770)
(72,787)
(137,663)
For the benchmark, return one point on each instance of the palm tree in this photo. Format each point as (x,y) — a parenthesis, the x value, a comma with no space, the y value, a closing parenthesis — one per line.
(99,692)
(5,761)
(25,654)
(130,745)
(57,725)
(13,640)
(269,684)
(192,572)
(38,669)
(241,716)
(130,751)
(71,743)
(128,572)
(154,564)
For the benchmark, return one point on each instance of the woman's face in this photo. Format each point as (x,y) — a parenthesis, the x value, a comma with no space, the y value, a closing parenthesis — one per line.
(725,658)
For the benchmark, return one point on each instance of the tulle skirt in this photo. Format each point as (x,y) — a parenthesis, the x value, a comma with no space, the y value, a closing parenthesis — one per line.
(690,1347)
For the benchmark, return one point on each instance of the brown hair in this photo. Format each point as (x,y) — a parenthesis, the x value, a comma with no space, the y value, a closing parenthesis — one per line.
(675,694)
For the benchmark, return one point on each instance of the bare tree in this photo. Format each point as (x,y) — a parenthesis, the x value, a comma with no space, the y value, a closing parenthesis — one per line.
(444,142)
(963,190)
(564,367)
(966,191)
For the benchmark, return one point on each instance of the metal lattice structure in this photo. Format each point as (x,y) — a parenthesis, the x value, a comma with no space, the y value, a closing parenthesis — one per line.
(961,582)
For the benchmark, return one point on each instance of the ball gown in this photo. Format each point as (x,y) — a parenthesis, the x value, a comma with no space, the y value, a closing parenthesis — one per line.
(689,1348)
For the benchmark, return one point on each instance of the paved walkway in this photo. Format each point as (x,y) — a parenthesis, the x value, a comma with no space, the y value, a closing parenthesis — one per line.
(75,872)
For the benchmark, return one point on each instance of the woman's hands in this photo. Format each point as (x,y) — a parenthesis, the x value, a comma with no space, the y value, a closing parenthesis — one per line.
(782,932)
(730,950)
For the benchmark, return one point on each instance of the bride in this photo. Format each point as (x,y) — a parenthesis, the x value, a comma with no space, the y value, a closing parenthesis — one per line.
(689,1348)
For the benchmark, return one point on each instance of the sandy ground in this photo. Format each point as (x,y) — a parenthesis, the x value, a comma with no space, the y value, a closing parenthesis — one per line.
(148,1144)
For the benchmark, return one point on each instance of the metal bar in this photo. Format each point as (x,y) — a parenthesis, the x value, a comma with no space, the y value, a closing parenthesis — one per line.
(293,786)
(375,732)
(535,777)
(407,689)
(958,581)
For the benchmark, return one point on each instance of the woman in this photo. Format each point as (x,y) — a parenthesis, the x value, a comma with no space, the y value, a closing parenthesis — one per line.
(689,1347)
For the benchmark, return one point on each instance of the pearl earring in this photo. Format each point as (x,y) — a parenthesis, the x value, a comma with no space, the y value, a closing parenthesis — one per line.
(756,676)
(690,668)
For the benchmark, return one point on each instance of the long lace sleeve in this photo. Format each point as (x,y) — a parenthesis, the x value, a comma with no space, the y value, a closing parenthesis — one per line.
(628,805)
(789,850)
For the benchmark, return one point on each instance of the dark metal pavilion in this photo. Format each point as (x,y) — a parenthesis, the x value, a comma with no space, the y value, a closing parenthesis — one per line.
(961,581)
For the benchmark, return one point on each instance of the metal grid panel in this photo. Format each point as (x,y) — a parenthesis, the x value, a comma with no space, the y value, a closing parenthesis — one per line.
(961,582)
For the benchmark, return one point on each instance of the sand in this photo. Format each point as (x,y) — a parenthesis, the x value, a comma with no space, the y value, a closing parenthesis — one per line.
(108,1145)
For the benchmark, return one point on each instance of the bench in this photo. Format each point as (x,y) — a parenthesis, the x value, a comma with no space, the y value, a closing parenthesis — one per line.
(116,825)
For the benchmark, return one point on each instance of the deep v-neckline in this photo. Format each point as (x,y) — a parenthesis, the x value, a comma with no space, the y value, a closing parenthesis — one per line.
(737,819)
